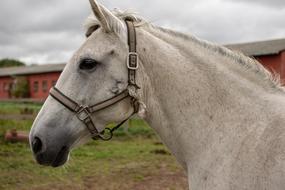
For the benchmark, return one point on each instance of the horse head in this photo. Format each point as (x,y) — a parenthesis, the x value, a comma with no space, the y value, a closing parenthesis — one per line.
(97,72)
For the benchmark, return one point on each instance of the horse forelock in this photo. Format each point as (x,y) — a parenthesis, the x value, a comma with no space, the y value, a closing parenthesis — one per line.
(91,21)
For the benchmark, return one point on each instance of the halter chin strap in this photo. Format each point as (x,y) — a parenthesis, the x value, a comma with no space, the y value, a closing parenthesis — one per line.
(84,113)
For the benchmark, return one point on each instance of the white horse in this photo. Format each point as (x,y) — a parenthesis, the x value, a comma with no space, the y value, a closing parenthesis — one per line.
(219,112)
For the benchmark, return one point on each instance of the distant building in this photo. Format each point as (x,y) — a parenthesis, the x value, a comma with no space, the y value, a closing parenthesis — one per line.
(41,78)
(271,54)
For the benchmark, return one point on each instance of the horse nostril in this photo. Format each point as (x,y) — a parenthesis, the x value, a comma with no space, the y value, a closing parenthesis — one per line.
(37,145)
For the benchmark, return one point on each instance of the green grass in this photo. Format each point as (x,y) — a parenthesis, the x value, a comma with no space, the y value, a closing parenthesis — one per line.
(128,161)
(18,169)
(18,108)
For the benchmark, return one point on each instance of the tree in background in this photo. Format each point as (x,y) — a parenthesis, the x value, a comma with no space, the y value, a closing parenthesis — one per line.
(20,88)
(10,63)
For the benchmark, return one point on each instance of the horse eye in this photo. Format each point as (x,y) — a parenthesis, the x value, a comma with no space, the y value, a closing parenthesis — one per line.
(87,64)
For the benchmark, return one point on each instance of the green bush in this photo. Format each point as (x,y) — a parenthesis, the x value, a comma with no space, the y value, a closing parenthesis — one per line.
(10,63)
(21,88)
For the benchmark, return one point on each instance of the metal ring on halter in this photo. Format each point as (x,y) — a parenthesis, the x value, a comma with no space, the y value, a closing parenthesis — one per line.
(107,137)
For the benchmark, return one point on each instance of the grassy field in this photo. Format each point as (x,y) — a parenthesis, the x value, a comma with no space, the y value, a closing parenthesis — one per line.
(136,160)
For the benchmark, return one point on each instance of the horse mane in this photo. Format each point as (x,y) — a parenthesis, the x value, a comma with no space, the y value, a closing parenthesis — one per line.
(248,63)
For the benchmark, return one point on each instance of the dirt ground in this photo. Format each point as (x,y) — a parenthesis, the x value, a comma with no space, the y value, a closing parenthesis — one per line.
(165,180)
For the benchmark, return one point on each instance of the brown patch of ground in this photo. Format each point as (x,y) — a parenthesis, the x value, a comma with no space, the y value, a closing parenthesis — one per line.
(160,151)
(166,180)
(127,179)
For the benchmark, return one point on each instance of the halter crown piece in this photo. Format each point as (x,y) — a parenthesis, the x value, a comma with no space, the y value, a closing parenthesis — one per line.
(84,113)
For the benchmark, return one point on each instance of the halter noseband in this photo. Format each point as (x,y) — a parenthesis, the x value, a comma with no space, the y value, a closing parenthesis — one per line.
(84,113)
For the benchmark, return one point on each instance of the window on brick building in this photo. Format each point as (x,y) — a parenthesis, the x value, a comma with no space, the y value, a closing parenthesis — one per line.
(36,86)
(6,87)
(45,86)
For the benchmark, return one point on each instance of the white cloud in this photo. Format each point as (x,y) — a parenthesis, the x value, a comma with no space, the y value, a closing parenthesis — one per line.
(278,4)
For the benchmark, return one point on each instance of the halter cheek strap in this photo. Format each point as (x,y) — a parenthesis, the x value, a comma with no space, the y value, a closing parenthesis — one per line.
(132,61)
(84,113)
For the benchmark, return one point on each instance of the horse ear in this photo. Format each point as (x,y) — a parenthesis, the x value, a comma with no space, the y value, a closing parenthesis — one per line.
(108,20)
(99,15)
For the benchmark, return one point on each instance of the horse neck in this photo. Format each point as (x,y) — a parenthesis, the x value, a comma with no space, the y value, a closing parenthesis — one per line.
(191,97)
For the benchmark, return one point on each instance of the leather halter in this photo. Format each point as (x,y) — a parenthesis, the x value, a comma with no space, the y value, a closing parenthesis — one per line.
(84,113)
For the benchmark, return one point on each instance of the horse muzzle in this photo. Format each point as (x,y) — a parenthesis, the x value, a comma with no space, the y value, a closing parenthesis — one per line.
(54,156)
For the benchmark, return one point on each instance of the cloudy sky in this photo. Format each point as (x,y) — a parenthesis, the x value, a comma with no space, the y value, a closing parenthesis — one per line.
(49,31)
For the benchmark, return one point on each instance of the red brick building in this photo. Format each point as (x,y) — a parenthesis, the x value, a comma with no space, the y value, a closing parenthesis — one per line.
(39,80)
(42,77)
(271,54)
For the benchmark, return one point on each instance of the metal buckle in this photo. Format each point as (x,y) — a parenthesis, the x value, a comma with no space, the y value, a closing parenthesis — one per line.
(83,113)
(134,54)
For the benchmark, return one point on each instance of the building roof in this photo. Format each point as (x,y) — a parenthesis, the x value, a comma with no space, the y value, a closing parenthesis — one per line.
(270,47)
(34,69)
